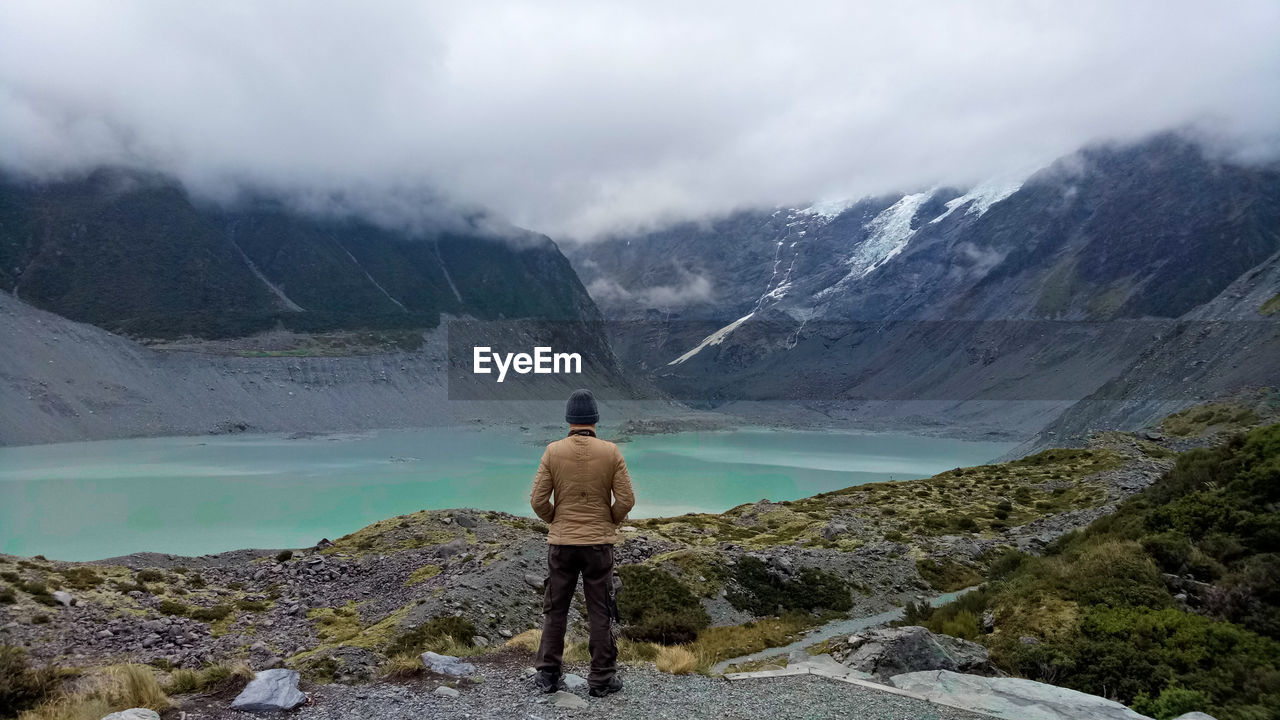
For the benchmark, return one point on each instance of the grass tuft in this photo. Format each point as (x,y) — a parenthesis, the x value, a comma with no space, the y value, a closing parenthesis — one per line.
(527,641)
(676,660)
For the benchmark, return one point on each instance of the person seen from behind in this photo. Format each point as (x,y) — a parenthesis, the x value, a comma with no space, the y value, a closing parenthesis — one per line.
(583,492)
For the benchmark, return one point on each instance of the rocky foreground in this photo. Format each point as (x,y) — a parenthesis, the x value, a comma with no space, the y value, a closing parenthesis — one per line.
(501,690)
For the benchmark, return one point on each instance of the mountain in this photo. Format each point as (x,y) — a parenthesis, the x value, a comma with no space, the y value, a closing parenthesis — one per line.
(135,253)
(132,309)
(1002,305)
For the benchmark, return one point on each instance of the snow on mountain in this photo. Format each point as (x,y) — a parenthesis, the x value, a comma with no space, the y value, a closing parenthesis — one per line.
(827,208)
(980,198)
(890,231)
(714,338)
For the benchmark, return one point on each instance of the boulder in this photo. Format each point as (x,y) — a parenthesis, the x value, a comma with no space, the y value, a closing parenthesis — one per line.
(574,681)
(894,651)
(1195,716)
(270,690)
(822,665)
(1012,698)
(134,714)
(533,581)
(446,665)
(63,598)
(446,691)
(834,530)
(451,548)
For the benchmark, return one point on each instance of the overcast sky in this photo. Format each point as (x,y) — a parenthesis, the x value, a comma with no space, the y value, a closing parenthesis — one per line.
(578,118)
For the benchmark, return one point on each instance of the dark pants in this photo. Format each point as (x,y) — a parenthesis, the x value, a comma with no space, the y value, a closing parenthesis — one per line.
(595,564)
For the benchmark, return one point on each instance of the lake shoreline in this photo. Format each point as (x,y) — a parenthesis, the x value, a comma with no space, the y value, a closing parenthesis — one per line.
(198,495)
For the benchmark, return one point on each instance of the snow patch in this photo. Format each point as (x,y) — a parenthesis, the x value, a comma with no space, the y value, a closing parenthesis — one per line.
(714,338)
(890,231)
(980,198)
(828,208)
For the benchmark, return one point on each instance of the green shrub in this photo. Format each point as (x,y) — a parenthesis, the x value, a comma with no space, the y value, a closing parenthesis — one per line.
(12,577)
(437,629)
(916,613)
(1117,574)
(172,607)
(252,605)
(81,578)
(963,625)
(210,614)
(1172,702)
(21,686)
(284,555)
(1171,550)
(946,574)
(656,607)
(1006,563)
(7,596)
(1105,618)
(149,575)
(763,592)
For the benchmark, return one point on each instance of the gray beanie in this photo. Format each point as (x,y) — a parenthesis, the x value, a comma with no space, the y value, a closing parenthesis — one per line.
(581,408)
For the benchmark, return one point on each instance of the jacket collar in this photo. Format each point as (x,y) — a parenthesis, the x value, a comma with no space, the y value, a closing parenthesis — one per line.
(582,431)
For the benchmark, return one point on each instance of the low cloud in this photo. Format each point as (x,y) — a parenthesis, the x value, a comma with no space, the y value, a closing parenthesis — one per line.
(691,290)
(579,118)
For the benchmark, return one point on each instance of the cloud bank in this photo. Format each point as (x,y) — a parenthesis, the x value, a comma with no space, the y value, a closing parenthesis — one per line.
(578,118)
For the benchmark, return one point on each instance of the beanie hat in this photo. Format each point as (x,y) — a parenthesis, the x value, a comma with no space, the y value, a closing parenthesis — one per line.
(581,409)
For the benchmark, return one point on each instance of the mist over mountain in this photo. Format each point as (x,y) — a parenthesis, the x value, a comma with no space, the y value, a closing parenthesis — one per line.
(582,119)
(1041,291)
(135,253)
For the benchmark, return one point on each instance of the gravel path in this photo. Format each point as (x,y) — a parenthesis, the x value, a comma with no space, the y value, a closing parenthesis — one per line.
(504,694)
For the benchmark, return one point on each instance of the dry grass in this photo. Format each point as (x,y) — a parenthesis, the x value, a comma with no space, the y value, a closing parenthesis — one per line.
(676,660)
(721,643)
(115,688)
(578,652)
(527,640)
(185,682)
(399,667)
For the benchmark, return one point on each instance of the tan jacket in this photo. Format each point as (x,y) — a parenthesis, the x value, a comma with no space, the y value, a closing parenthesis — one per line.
(592,491)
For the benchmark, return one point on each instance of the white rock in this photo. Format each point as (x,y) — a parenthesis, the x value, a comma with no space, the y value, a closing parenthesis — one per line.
(564,699)
(446,691)
(446,664)
(574,682)
(64,598)
(1195,716)
(134,714)
(1012,698)
(270,690)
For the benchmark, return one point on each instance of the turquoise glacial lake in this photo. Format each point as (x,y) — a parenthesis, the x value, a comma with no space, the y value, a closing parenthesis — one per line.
(198,495)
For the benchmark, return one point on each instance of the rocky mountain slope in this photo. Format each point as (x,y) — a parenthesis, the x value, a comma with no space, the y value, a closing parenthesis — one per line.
(1039,291)
(65,381)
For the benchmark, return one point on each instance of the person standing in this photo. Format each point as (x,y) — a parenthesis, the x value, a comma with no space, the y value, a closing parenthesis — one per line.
(583,492)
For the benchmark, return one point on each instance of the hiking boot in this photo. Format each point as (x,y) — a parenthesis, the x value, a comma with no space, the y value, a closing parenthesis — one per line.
(546,682)
(614,685)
